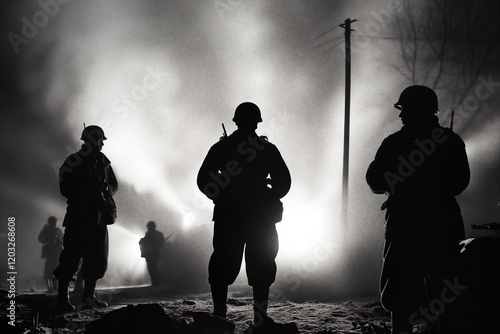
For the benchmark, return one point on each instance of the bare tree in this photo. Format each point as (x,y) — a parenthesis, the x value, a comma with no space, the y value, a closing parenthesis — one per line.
(448,45)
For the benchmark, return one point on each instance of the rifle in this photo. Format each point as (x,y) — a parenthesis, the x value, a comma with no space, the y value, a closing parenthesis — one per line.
(224,133)
(452,116)
(487,226)
(224,129)
(171,235)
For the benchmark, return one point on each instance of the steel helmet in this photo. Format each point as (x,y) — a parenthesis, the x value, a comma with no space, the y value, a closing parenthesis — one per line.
(151,224)
(420,97)
(52,220)
(93,133)
(247,112)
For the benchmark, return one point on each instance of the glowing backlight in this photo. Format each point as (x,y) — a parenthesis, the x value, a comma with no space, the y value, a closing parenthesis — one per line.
(308,231)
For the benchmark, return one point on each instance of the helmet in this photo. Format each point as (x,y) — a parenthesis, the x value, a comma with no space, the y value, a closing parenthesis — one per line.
(421,97)
(52,220)
(151,224)
(93,133)
(247,112)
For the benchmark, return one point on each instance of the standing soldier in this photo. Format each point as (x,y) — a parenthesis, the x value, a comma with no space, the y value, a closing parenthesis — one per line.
(151,246)
(52,239)
(422,168)
(245,176)
(87,180)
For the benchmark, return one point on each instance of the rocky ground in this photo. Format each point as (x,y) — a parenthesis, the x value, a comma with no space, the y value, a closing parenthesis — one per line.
(35,312)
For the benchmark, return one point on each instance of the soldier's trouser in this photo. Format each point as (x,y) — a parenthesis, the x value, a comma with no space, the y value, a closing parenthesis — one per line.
(51,262)
(260,245)
(88,242)
(413,281)
(153,270)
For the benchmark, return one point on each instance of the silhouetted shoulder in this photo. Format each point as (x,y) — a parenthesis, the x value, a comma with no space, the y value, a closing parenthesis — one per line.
(391,142)
(73,158)
(105,157)
(454,136)
(264,140)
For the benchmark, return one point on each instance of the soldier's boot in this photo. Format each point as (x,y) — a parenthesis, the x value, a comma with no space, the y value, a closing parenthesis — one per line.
(89,299)
(400,322)
(63,303)
(260,301)
(219,297)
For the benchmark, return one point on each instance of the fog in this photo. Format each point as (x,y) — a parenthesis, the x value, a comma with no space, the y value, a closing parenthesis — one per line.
(161,76)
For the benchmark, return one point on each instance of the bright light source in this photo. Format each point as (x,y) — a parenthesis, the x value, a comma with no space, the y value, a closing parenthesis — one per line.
(126,266)
(308,231)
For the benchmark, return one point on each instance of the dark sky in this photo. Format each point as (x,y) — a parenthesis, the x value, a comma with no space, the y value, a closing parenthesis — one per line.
(161,76)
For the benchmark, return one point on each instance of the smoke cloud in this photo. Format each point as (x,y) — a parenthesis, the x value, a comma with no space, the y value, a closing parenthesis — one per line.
(160,77)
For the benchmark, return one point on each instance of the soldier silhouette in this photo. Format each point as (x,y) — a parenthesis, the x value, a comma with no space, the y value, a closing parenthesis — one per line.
(51,237)
(87,180)
(245,176)
(151,246)
(422,168)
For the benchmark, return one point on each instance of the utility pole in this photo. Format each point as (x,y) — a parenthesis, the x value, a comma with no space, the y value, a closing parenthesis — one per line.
(345,170)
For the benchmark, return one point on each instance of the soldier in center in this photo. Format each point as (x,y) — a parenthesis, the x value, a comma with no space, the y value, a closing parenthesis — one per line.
(245,176)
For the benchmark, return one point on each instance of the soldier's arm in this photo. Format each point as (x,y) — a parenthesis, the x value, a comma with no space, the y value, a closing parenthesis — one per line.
(374,178)
(376,175)
(203,180)
(112,181)
(67,176)
(280,175)
(42,237)
(160,239)
(457,171)
(77,179)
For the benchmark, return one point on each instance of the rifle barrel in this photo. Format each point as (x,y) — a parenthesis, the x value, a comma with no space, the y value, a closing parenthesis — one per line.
(224,128)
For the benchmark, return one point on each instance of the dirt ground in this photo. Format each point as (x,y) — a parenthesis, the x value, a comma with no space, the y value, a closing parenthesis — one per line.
(35,312)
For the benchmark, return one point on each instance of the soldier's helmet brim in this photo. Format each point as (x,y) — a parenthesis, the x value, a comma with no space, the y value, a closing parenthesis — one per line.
(247,112)
(93,133)
(418,97)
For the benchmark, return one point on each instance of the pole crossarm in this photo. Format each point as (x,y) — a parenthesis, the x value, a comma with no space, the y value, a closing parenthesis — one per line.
(347,24)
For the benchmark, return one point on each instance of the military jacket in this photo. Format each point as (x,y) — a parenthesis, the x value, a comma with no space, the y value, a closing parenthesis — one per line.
(85,177)
(241,173)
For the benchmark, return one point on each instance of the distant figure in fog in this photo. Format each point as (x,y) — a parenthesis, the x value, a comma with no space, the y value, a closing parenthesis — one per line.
(151,246)
(51,237)
(245,176)
(87,180)
(421,168)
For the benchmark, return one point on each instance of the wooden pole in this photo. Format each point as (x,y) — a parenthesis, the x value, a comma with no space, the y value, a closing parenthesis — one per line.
(345,169)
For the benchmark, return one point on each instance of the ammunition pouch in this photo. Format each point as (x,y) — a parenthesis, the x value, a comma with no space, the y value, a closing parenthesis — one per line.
(107,212)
